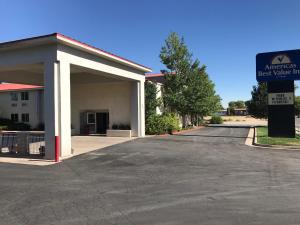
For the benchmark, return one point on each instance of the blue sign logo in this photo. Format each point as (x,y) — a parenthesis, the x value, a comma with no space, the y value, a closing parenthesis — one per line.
(272,66)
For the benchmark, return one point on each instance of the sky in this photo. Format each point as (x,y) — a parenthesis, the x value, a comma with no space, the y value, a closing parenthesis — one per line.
(225,35)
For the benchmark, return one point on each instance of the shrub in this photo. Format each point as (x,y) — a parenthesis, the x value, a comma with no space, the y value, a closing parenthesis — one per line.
(10,125)
(19,127)
(3,128)
(5,122)
(215,119)
(162,124)
(198,121)
(171,122)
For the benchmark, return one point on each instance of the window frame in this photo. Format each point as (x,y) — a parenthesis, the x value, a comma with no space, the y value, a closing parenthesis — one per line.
(14,96)
(24,95)
(25,117)
(14,117)
(87,118)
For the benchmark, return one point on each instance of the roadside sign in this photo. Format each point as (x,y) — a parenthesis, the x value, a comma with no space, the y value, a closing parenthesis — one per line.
(276,66)
(281,98)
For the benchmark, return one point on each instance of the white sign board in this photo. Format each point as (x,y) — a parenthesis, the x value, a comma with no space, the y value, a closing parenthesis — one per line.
(281,98)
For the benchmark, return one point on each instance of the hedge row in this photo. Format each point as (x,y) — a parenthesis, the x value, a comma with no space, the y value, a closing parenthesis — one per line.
(6,124)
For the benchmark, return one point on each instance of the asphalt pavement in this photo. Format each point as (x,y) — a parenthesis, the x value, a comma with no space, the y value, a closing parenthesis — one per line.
(203,177)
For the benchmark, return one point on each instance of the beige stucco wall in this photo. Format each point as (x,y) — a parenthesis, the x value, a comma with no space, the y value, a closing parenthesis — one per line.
(33,106)
(113,97)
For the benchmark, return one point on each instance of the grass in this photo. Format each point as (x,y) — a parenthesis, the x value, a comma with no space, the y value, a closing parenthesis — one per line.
(262,138)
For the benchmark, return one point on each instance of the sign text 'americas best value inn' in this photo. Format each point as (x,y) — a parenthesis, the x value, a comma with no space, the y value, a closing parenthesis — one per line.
(272,66)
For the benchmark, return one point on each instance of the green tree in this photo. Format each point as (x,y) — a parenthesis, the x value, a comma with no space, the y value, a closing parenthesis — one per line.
(235,105)
(201,96)
(258,105)
(178,60)
(151,101)
(187,89)
(297,106)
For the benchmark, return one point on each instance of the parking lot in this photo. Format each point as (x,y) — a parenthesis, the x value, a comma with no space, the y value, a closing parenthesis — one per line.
(203,177)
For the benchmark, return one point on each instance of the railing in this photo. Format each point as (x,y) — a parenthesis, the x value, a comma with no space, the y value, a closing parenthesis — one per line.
(8,142)
(22,143)
(36,144)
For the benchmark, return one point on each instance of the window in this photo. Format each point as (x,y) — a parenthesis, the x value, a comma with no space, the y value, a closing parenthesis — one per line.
(14,105)
(25,117)
(14,96)
(91,118)
(14,117)
(24,96)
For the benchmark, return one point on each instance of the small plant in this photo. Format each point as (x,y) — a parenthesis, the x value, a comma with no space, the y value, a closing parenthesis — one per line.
(19,127)
(215,119)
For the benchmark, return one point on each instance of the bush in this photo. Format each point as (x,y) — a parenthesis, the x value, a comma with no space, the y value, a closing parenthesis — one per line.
(215,119)
(19,127)
(8,124)
(198,121)
(3,128)
(162,124)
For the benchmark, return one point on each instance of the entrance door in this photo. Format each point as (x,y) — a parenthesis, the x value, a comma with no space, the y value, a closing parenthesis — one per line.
(102,123)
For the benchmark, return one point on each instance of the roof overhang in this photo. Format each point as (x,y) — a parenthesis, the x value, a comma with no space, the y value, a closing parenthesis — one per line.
(57,38)
(10,87)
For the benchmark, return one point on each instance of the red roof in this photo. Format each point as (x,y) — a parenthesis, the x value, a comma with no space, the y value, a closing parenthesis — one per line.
(16,87)
(154,75)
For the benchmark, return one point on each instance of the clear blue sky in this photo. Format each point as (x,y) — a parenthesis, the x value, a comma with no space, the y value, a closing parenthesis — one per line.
(224,35)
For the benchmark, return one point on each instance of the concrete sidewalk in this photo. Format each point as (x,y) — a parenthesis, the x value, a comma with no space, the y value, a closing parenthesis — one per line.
(80,145)
(84,144)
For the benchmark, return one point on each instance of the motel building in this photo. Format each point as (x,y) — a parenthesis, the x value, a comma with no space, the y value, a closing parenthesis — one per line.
(72,87)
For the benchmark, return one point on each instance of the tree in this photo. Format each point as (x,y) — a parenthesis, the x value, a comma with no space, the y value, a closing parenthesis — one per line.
(151,101)
(297,106)
(178,60)
(235,105)
(201,96)
(187,88)
(258,105)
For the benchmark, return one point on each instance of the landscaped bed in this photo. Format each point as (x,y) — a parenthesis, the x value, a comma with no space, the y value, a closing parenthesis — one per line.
(262,138)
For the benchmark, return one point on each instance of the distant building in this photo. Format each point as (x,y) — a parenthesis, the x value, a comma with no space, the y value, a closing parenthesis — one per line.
(240,112)
(158,79)
(222,112)
(22,103)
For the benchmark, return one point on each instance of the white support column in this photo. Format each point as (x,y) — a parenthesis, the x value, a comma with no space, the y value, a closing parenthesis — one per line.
(138,109)
(50,107)
(65,109)
(142,108)
(57,107)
